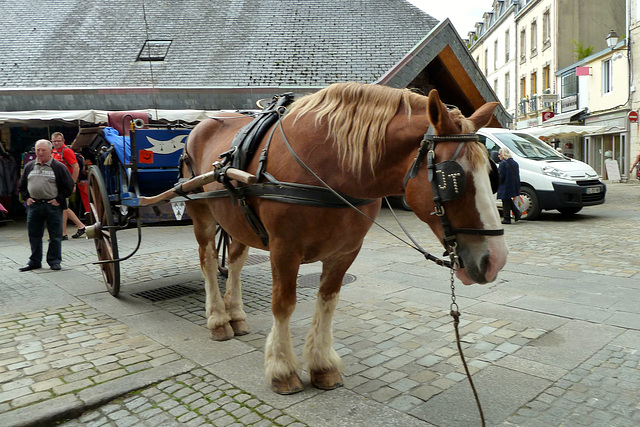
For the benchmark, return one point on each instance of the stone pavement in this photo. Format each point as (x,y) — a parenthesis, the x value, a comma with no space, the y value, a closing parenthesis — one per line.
(554,341)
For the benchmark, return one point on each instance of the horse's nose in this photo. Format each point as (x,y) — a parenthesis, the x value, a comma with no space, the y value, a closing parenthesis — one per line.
(481,271)
(484,267)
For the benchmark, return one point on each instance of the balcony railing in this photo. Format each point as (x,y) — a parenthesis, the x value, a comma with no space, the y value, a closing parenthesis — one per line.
(533,103)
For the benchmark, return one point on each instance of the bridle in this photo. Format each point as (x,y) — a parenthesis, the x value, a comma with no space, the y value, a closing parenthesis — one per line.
(448,182)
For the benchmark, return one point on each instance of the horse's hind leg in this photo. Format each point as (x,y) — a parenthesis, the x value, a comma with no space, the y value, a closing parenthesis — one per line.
(323,361)
(233,296)
(204,228)
(281,363)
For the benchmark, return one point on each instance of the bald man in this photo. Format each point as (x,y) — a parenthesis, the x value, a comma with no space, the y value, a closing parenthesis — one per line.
(45,186)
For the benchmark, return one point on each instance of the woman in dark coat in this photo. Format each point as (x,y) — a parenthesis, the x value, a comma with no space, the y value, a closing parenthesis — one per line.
(509,185)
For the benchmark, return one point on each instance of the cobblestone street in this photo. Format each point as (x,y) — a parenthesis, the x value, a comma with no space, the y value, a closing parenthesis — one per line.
(554,341)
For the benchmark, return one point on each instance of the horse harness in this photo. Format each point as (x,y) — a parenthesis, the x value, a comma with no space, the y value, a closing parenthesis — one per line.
(447,177)
(243,148)
(448,183)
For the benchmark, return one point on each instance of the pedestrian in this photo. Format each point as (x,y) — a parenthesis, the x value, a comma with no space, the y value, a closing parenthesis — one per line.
(44,186)
(636,163)
(64,154)
(509,185)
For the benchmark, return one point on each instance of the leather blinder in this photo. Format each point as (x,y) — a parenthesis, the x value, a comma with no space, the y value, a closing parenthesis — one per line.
(450,180)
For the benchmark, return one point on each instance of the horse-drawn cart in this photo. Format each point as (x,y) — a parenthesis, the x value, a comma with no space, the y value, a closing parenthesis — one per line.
(127,166)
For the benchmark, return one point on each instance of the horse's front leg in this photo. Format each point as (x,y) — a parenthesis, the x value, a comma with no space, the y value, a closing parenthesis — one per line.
(281,363)
(324,363)
(233,296)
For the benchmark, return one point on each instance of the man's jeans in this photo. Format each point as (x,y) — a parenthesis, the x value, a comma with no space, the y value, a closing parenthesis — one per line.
(39,214)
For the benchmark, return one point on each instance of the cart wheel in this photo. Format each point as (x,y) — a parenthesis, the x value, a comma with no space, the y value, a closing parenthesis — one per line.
(104,234)
(222,246)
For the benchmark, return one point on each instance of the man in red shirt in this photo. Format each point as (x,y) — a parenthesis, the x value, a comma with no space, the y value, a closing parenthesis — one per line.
(64,154)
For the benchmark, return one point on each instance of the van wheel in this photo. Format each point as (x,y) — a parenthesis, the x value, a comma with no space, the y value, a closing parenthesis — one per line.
(569,211)
(531,205)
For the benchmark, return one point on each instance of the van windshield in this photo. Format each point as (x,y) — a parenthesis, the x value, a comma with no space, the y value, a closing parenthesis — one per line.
(529,147)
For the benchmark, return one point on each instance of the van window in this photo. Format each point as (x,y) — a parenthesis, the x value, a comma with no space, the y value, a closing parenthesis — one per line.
(529,147)
(492,148)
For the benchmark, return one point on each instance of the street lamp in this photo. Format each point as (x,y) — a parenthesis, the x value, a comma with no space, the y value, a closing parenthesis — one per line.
(612,39)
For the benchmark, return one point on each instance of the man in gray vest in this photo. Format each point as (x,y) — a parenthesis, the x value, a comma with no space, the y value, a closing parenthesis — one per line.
(45,186)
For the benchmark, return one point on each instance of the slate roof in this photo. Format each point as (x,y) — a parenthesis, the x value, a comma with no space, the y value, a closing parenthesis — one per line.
(235,43)
(67,55)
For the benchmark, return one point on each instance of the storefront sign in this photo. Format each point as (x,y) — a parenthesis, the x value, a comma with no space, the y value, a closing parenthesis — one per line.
(613,171)
(546,115)
(569,103)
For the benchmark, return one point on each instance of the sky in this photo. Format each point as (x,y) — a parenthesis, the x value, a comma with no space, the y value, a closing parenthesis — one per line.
(462,13)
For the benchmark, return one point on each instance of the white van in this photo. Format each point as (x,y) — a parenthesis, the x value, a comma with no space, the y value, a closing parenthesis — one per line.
(548,179)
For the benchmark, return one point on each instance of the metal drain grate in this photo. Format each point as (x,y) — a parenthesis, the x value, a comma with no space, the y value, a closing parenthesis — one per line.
(166,293)
(313,280)
(253,259)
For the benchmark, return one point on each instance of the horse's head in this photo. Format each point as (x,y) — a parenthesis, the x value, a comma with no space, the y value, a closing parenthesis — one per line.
(450,189)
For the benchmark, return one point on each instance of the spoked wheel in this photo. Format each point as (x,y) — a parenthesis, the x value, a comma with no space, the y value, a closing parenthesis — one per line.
(103,230)
(222,246)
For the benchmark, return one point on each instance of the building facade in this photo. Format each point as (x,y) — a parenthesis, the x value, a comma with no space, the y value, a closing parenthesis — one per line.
(602,109)
(536,43)
(555,41)
(493,45)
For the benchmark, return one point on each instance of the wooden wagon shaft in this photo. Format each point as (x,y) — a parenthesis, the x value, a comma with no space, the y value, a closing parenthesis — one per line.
(195,183)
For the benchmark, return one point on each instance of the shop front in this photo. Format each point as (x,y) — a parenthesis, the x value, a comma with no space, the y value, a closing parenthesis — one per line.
(608,152)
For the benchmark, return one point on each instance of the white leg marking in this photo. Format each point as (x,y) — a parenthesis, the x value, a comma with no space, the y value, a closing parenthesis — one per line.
(319,353)
(280,360)
(215,310)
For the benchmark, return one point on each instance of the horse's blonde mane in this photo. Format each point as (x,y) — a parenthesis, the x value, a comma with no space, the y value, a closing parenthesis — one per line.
(357,116)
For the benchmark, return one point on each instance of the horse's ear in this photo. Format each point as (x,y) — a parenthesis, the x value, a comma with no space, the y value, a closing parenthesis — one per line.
(438,115)
(483,115)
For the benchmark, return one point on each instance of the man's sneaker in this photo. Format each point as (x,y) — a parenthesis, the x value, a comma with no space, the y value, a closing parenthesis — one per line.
(65,237)
(79,233)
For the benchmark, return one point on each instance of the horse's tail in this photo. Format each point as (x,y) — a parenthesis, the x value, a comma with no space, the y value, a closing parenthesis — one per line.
(185,160)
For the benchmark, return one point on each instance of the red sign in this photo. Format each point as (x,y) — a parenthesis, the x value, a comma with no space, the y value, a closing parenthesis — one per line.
(145,156)
(583,71)
(546,115)
(633,116)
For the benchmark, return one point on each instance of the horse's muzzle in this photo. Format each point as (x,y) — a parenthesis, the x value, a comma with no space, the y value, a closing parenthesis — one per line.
(482,265)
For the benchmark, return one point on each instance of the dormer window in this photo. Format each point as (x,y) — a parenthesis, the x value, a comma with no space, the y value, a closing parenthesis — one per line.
(496,7)
(487,18)
(154,50)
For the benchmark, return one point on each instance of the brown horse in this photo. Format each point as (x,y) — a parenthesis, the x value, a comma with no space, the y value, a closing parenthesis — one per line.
(361,140)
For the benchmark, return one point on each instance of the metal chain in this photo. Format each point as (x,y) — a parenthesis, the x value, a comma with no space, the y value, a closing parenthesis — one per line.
(455,313)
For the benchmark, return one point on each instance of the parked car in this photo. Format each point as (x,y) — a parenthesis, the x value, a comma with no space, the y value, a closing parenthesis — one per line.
(548,179)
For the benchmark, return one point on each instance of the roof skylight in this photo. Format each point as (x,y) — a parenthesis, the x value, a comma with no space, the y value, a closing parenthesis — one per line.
(154,50)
